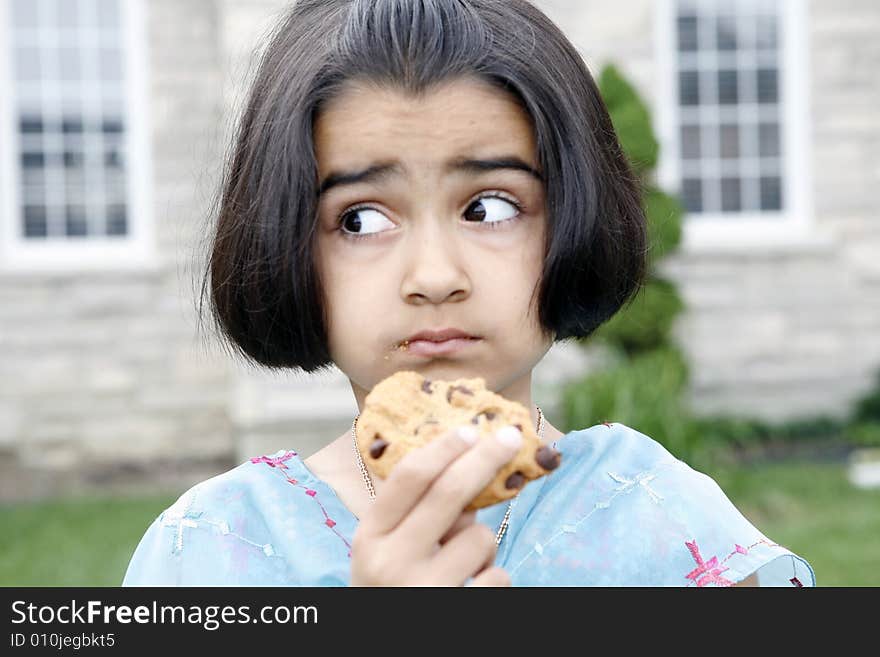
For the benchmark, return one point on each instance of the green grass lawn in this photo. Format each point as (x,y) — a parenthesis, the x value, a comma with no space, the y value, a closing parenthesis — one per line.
(78,542)
(808,507)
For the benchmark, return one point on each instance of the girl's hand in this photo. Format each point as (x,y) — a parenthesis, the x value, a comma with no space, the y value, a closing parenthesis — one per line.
(416,534)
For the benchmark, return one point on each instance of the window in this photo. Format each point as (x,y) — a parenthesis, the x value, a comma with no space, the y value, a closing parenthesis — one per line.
(74,184)
(733,136)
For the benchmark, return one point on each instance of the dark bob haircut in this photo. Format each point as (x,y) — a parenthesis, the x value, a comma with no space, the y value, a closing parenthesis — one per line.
(265,292)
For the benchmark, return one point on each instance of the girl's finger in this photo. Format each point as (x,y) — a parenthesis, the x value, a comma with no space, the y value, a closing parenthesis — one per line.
(411,477)
(458,485)
(493,576)
(466,553)
(466,519)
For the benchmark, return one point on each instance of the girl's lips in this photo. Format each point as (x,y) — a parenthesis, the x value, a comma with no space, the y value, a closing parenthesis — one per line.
(429,348)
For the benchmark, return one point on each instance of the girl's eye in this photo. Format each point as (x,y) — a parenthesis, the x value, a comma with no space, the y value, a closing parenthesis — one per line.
(358,221)
(364,221)
(490,206)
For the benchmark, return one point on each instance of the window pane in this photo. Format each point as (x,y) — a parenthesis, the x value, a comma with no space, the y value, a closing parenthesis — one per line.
(687,33)
(727,87)
(769,140)
(67,13)
(116,220)
(108,13)
(110,64)
(69,67)
(766,30)
(35,221)
(33,160)
(692,194)
(726,33)
(74,159)
(72,125)
(771,193)
(113,159)
(112,125)
(25,13)
(689,88)
(75,221)
(731,196)
(690,142)
(767,86)
(27,64)
(31,124)
(729,141)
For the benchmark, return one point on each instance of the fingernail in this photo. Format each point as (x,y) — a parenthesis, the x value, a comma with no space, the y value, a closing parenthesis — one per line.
(470,435)
(509,437)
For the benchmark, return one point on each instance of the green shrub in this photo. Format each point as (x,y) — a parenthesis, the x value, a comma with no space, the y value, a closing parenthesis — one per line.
(645,387)
(645,323)
(644,392)
(863,434)
(664,214)
(631,119)
(868,407)
(749,432)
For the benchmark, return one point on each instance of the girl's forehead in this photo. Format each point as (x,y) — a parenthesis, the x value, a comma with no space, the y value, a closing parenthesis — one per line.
(454,119)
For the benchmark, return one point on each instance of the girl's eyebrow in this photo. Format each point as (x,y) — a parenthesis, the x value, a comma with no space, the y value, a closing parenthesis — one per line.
(384,170)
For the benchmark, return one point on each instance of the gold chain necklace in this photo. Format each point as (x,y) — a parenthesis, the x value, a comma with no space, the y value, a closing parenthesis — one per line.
(368,481)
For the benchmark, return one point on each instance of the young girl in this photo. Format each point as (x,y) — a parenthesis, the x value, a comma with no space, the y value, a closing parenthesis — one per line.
(444,168)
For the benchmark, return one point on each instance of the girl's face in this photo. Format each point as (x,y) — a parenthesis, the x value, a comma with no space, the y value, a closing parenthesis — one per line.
(426,243)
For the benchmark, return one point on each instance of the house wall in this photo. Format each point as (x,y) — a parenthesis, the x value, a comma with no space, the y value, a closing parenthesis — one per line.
(102,382)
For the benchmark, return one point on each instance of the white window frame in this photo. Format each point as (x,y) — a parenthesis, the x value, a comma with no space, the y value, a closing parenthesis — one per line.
(738,231)
(136,250)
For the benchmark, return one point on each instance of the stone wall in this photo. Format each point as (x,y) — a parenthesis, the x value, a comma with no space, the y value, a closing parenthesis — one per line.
(102,380)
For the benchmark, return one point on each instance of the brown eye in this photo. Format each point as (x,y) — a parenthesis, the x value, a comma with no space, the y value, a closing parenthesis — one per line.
(476,211)
(493,207)
(363,221)
(351,222)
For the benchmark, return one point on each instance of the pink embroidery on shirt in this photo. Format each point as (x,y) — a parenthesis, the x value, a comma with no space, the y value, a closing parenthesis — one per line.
(738,549)
(708,572)
(607,424)
(796,582)
(279,461)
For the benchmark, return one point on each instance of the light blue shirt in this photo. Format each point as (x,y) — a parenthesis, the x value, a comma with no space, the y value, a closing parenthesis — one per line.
(619,511)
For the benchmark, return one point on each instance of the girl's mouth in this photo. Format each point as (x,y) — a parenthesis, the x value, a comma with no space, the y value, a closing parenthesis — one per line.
(428,348)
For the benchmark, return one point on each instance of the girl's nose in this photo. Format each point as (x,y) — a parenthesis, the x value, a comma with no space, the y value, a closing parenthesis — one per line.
(434,268)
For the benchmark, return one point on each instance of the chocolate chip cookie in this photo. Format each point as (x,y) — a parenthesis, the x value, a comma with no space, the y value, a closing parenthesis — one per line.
(406,410)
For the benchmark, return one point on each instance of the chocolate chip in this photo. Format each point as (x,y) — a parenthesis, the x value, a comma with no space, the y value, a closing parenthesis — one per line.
(378,447)
(429,421)
(547,457)
(426,386)
(465,390)
(476,418)
(518,426)
(515,480)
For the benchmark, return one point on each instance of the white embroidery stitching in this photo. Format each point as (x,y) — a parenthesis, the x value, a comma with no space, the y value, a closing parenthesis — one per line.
(641,479)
